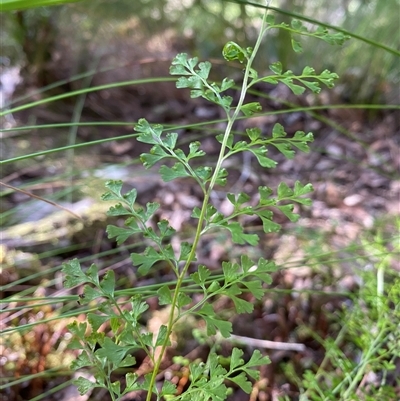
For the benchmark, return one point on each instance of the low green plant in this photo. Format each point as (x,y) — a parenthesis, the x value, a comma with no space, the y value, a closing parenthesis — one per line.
(360,363)
(362,346)
(104,354)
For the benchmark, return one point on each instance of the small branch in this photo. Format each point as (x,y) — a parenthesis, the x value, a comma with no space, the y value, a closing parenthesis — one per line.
(41,199)
(255,342)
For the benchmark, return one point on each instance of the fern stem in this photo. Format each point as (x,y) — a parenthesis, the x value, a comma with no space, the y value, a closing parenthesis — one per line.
(191,257)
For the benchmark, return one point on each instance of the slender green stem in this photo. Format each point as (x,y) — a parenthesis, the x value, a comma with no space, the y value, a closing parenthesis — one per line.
(231,120)
(361,369)
(174,302)
(73,130)
(86,90)
(325,25)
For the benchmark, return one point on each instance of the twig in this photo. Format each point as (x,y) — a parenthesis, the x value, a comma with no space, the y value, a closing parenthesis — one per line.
(255,342)
(40,198)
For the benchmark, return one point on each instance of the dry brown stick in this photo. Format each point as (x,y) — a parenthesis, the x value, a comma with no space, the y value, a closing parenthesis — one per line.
(255,342)
(40,198)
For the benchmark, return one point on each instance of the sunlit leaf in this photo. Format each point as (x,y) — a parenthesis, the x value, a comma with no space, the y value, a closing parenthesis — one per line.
(177,171)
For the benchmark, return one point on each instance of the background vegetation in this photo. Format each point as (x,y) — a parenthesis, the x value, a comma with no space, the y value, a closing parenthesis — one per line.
(87,71)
